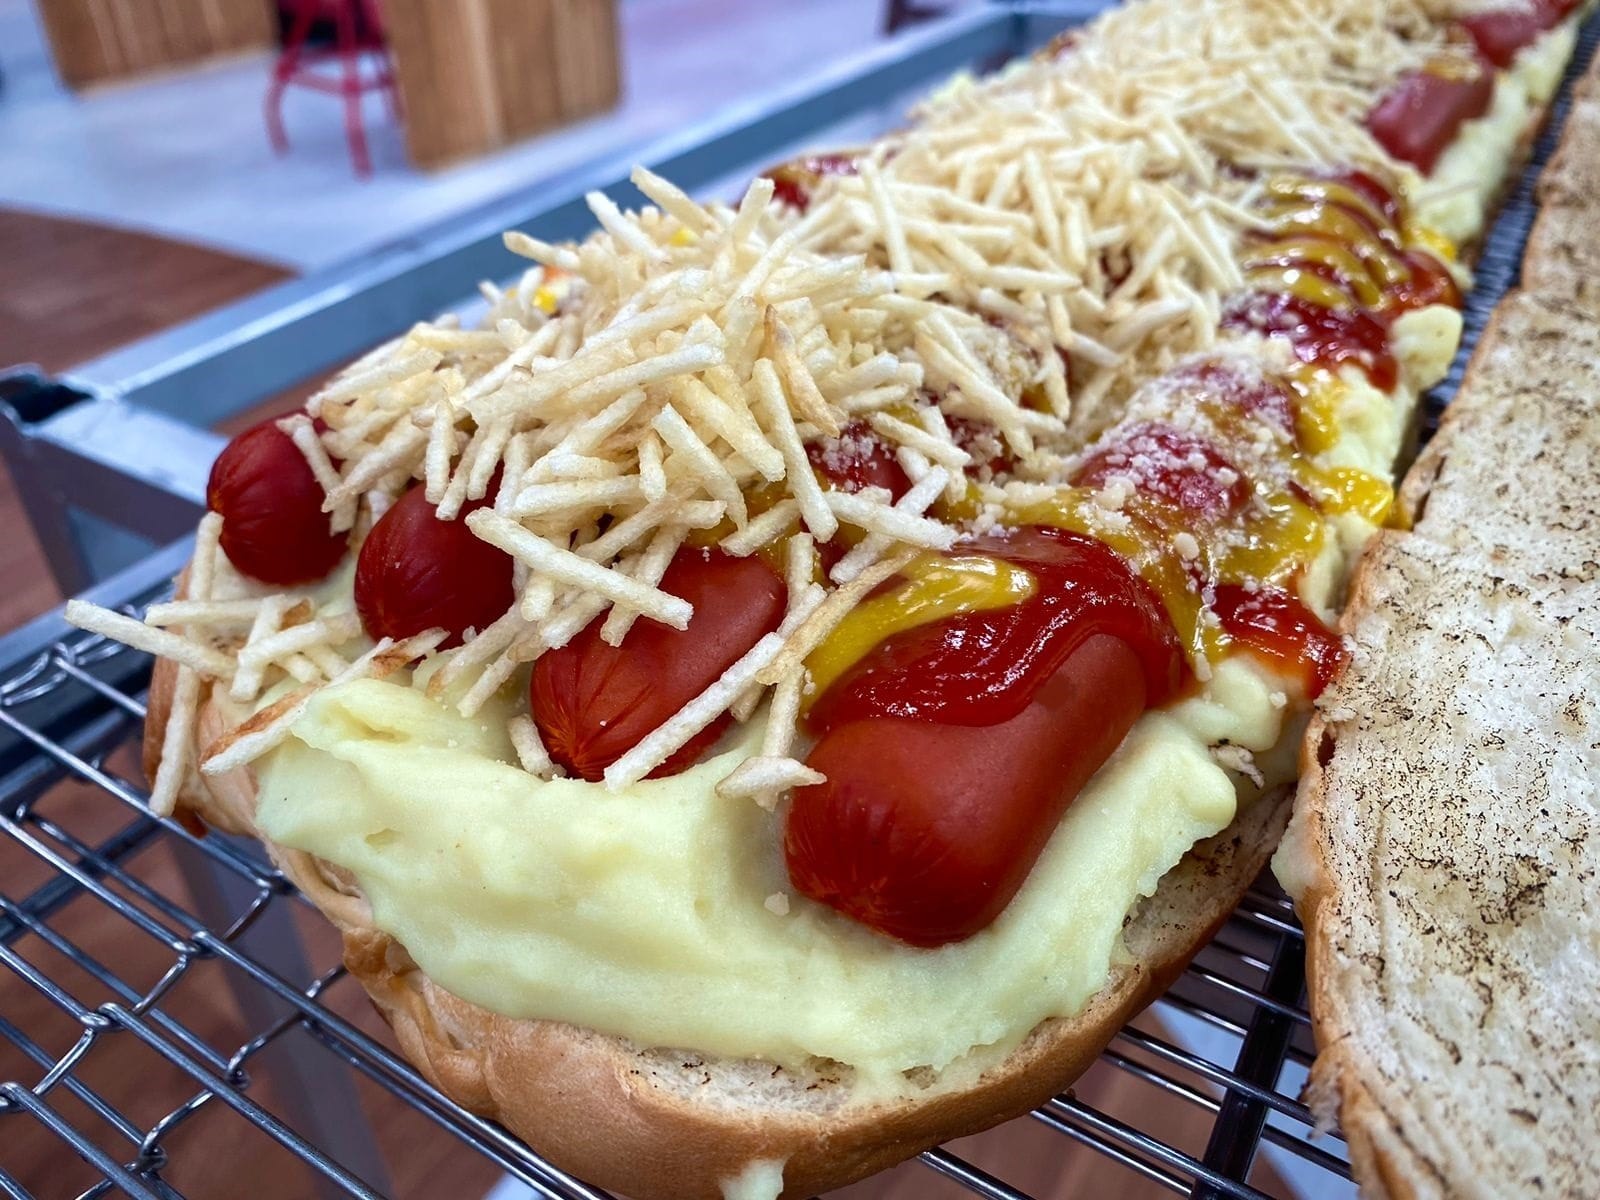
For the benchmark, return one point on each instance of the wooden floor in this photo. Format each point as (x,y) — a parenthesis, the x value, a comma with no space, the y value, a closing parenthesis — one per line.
(73,291)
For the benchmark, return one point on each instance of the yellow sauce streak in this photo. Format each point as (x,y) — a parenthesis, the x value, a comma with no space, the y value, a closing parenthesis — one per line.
(936,587)
(1325,252)
(1348,489)
(1427,238)
(1301,284)
(965,509)
(1316,416)
(757,501)
(1299,192)
(1280,534)
(1321,251)
(1334,223)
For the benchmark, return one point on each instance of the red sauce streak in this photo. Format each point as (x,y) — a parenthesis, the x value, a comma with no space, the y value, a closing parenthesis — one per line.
(983,668)
(1325,337)
(795,181)
(1500,34)
(1430,283)
(1274,623)
(1375,190)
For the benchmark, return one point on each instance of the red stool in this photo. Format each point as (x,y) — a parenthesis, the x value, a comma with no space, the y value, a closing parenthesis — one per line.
(358,33)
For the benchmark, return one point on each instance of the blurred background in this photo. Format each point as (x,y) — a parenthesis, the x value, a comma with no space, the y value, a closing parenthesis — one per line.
(160,115)
(159,158)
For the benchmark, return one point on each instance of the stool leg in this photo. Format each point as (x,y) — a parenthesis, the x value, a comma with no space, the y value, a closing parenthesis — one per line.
(376,39)
(350,85)
(276,134)
(391,93)
(284,69)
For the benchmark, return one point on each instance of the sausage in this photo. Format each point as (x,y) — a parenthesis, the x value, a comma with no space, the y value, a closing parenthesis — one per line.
(1422,114)
(273,526)
(925,831)
(1501,33)
(953,748)
(1177,466)
(416,572)
(858,458)
(594,702)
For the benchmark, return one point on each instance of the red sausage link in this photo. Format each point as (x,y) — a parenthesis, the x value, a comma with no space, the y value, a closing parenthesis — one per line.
(273,526)
(1501,33)
(593,702)
(1173,464)
(1422,113)
(925,831)
(858,458)
(416,572)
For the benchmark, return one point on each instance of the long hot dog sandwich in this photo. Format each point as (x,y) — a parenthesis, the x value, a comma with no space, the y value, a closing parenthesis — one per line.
(790,684)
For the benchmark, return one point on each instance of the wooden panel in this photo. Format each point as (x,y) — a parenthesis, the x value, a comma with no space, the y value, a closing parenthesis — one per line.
(76,41)
(523,62)
(476,74)
(445,100)
(587,68)
(75,290)
(98,40)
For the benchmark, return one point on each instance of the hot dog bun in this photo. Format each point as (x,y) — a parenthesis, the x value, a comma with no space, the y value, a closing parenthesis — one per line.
(1446,840)
(1562,265)
(659,1123)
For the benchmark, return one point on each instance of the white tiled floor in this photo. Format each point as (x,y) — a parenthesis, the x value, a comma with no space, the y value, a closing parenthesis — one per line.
(186,154)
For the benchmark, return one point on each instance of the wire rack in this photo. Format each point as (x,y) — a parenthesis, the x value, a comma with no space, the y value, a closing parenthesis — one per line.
(167,997)
(73,709)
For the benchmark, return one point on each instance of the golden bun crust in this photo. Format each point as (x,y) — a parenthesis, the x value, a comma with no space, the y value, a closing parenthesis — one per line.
(662,1123)
(1435,1097)
(1339,1083)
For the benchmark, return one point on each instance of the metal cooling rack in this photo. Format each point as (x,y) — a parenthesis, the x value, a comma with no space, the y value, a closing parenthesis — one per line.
(218,993)
(66,713)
